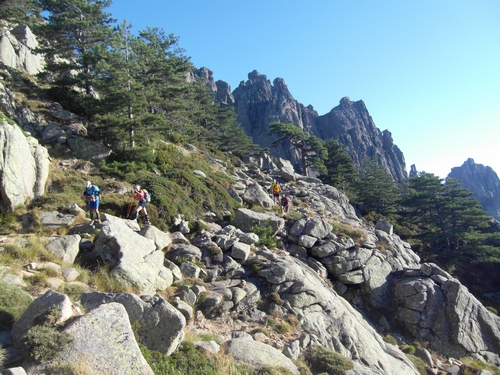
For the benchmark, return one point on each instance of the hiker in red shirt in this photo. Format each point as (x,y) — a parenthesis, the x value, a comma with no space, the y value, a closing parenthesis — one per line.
(141,196)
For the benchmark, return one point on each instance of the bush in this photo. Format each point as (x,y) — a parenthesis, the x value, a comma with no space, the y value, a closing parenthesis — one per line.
(13,303)
(419,364)
(321,359)
(43,341)
(265,233)
(391,340)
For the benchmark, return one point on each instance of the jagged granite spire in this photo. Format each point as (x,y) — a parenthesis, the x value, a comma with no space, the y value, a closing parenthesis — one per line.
(483,182)
(258,103)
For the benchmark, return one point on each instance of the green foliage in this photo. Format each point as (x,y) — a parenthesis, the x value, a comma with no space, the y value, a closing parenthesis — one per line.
(19,11)
(43,341)
(283,327)
(447,217)
(419,364)
(340,171)
(390,339)
(274,297)
(186,360)
(374,189)
(13,303)
(345,230)
(321,359)
(265,233)
(312,150)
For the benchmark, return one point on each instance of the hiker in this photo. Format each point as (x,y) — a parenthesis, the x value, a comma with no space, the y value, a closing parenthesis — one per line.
(275,190)
(285,204)
(141,196)
(92,195)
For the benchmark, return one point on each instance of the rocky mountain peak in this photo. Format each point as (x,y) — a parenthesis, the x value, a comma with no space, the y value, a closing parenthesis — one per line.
(257,103)
(483,182)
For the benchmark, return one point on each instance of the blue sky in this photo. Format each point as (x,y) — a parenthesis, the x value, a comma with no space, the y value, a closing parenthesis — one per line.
(427,70)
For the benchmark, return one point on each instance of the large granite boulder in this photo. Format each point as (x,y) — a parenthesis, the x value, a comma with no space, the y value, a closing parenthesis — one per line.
(160,324)
(258,354)
(134,259)
(40,307)
(435,307)
(17,48)
(335,323)
(24,167)
(245,219)
(103,343)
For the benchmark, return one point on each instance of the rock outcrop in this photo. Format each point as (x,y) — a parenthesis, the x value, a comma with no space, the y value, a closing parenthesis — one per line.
(134,259)
(17,47)
(483,182)
(24,167)
(258,103)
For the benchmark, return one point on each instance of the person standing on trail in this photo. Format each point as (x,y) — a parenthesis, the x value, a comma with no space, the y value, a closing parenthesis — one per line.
(275,190)
(92,195)
(285,204)
(141,196)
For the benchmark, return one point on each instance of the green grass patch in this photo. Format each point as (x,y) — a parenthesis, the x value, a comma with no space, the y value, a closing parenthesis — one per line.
(13,303)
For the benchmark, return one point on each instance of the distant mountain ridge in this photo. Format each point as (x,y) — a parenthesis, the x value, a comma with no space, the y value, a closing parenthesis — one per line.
(257,103)
(483,182)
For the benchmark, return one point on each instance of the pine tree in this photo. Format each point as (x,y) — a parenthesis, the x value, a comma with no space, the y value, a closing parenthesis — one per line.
(75,37)
(311,149)
(375,189)
(448,218)
(340,171)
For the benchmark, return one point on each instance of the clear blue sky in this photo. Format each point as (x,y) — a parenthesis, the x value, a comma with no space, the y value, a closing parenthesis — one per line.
(427,70)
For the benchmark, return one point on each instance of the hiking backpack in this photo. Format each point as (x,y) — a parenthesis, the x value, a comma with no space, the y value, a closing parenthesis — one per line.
(147,195)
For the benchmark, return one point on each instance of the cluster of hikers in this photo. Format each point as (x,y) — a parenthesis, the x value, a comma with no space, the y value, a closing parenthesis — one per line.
(279,198)
(93,195)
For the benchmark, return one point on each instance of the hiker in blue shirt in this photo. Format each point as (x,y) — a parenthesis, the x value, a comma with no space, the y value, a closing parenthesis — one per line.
(92,195)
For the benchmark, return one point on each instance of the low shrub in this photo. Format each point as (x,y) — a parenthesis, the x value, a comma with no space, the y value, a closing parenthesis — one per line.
(321,359)
(43,341)
(13,303)
(419,364)
(265,233)
(390,339)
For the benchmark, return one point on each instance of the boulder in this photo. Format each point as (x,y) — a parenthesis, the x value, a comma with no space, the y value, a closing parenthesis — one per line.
(161,324)
(258,354)
(161,239)
(245,219)
(255,194)
(17,50)
(24,167)
(103,343)
(440,310)
(65,248)
(39,307)
(336,324)
(134,259)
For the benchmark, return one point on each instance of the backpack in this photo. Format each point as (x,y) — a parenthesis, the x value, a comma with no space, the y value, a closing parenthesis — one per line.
(147,195)
(285,201)
(92,193)
(276,189)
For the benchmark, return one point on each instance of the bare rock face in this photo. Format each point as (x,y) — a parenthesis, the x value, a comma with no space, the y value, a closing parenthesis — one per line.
(435,307)
(258,103)
(24,167)
(483,182)
(103,343)
(17,50)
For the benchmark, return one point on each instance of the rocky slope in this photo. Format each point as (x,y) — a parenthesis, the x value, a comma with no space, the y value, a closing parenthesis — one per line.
(335,281)
(483,182)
